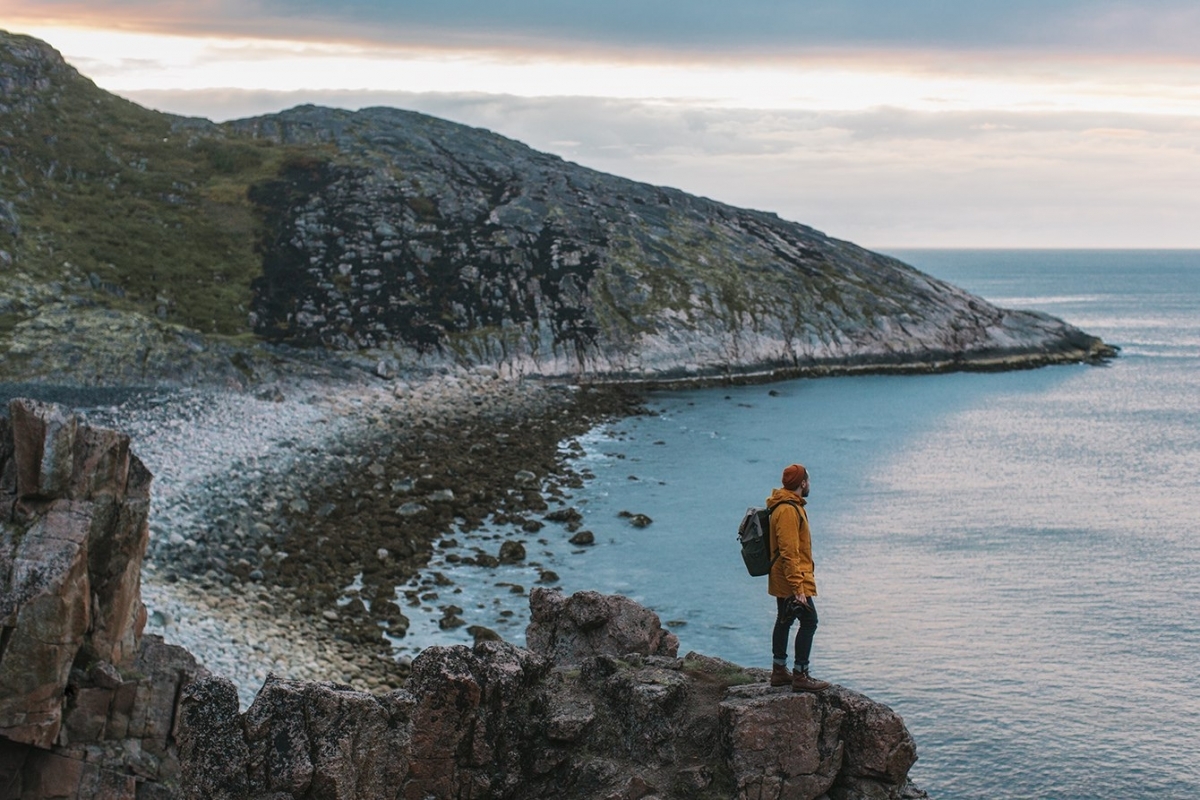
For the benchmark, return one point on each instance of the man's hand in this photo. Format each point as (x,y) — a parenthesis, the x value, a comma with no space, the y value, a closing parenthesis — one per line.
(801,598)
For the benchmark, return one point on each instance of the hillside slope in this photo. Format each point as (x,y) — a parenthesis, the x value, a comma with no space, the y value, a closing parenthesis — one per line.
(178,248)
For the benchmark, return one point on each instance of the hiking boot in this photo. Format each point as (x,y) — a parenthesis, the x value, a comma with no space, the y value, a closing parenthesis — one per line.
(780,676)
(801,682)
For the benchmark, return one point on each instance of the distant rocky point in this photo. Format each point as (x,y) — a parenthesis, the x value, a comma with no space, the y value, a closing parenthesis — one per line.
(139,246)
(600,705)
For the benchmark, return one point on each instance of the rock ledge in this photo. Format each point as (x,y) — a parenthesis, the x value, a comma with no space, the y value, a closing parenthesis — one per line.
(600,707)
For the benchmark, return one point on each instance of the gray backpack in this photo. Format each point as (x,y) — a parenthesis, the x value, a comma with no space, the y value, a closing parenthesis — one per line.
(754,534)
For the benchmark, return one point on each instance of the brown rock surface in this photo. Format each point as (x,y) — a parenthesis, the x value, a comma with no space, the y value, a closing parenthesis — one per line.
(569,629)
(87,707)
(590,711)
(44,445)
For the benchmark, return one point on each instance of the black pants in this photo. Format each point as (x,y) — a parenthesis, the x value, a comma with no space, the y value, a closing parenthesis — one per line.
(788,612)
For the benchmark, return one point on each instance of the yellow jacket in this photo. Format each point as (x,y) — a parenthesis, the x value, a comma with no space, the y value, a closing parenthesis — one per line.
(792,572)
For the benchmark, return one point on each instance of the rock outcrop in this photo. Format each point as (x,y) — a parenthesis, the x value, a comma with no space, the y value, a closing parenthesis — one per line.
(87,705)
(419,240)
(439,236)
(569,629)
(598,707)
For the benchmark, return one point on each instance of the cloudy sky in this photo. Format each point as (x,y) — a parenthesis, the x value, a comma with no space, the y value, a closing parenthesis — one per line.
(894,124)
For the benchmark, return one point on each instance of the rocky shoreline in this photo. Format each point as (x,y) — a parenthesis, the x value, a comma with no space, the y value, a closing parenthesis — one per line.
(599,705)
(294,523)
(293,526)
(284,522)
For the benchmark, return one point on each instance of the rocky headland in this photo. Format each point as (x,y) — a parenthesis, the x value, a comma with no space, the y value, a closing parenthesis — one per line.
(137,246)
(598,706)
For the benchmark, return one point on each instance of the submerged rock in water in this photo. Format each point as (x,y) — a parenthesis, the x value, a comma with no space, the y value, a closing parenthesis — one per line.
(636,520)
(511,552)
(583,538)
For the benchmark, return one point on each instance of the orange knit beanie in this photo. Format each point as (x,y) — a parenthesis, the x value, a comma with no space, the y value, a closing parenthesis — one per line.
(793,476)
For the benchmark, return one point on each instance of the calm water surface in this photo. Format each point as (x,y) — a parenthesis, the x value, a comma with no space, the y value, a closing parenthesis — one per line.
(1008,560)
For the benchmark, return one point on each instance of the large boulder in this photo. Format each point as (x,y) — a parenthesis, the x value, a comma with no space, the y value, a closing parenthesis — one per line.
(586,624)
(471,719)
(879,749)
(214,755)
(783,747)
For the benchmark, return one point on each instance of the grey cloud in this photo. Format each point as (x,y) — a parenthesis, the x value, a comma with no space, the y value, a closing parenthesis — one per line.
(699,28)
(779,25)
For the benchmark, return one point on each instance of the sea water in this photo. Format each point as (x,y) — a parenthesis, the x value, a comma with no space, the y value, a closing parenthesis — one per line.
(1011,561)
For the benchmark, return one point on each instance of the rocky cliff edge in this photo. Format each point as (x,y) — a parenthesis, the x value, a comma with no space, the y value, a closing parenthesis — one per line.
(599,705)
(87,704)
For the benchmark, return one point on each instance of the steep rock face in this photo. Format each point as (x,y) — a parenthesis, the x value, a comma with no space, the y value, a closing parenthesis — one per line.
(87,707)
(579,716)
(169,239)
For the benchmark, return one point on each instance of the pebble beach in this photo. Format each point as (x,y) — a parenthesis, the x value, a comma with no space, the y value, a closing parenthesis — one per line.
(292,528)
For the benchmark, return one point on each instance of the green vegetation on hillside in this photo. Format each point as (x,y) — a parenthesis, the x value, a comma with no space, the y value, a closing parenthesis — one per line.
(131,208)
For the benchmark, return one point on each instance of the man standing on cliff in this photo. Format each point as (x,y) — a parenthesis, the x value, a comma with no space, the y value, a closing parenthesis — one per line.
(792,582)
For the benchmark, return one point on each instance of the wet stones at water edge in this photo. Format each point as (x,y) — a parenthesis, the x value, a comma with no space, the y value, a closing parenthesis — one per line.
(583,538)
(467,459)
(569,516)
(458,466)
(511,552)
